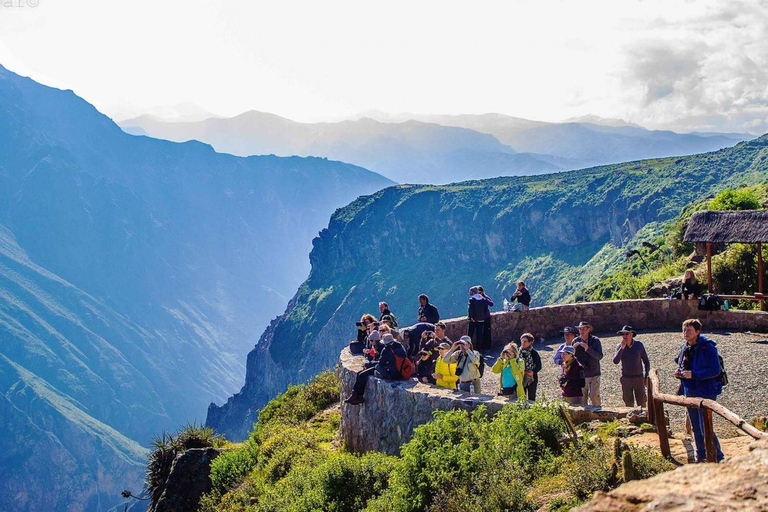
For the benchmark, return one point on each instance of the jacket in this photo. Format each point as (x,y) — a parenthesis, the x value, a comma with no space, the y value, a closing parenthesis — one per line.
(470,364)
(511,374)
(476,308)
(448,372)
(633,359)
(386,368)
(705,369)
(430,312)
(590,357)
(572,379)
(425,369)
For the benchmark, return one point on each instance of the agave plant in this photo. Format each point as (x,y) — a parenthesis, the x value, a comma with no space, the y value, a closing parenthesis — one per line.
(164,449)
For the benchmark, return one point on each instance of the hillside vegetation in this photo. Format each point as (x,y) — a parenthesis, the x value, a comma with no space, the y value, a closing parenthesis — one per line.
(458,461)
(559,233)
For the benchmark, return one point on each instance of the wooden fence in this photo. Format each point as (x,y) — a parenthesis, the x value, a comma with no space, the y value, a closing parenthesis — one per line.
(657,399)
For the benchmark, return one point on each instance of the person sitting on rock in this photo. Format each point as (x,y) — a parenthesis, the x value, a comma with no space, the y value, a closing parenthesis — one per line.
(523,297)
(571,377)
(427,312)
(589,352)
(385,367)
(412,336)
(532,365)
(635,366)
(690,288)
(698,368)
(372,347)
(467,364)
(384,310)
(510,368)
(445,373)
(425,367)
(569,334)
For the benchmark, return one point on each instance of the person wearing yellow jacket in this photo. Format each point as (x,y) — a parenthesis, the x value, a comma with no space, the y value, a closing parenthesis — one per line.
(511,369)
(445,373)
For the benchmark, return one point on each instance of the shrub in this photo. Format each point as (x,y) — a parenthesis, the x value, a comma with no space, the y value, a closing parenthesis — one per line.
(740,199)
(229,468)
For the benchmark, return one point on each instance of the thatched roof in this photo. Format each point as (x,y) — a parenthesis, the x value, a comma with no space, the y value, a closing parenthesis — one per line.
(748,226)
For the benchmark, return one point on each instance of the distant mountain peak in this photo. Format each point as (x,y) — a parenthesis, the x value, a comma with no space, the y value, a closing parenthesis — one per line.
(602,121)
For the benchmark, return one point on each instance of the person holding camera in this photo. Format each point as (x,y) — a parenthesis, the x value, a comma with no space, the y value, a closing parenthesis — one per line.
(698,368)
(467,364)
(511,370)
(589,352)
(571,377)
(427,312)
(445,373)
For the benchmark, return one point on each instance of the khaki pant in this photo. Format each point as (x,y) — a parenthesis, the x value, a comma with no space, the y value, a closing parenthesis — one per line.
(591,390)
(633,390)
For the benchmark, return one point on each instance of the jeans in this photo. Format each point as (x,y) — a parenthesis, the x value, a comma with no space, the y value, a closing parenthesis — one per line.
(475,331)
(697,425)
(362,380)
(531,389)
(464,386)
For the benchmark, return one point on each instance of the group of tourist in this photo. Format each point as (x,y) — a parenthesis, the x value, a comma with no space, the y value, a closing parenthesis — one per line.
(423,351)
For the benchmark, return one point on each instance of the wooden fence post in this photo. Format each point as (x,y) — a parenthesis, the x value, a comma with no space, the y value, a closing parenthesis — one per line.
(709,434)
(661,428)
(649,402)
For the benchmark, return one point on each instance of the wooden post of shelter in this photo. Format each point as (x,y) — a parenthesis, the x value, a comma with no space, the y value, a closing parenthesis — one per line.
(709,268)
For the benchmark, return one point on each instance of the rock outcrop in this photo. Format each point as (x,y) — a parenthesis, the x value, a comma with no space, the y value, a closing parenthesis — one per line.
(740,483)
(188,480)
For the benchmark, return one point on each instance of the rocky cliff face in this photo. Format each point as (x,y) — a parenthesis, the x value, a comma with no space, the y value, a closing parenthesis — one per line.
(558,233)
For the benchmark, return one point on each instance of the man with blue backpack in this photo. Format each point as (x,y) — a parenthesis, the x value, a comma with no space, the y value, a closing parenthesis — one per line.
(700,373)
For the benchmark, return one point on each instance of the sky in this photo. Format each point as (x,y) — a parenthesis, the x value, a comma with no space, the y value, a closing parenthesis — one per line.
(671,64)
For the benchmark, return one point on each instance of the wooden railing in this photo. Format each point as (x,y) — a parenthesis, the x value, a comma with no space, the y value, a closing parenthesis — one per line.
(657,399)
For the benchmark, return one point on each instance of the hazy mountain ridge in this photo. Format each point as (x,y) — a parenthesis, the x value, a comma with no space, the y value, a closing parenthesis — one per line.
(558,232)
(136,273)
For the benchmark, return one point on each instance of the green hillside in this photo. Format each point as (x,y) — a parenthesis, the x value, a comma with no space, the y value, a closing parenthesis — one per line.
(560,233)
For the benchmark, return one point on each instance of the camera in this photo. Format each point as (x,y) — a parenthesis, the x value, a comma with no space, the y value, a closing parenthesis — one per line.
(360,324)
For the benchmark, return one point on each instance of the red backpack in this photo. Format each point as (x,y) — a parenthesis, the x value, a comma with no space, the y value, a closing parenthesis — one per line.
(403,365)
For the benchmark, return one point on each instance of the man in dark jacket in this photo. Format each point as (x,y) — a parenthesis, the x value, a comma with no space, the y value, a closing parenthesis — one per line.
(385,367)
(384,310)
(412,336)
(698,368)
(427,312)
(589,352)
(476,316)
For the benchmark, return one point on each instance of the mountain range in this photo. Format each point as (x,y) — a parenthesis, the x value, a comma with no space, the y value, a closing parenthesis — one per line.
(135,274)
(559,233)
(438,149)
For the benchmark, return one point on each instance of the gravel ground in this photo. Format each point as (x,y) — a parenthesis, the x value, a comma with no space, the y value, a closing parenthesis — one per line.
(745,355)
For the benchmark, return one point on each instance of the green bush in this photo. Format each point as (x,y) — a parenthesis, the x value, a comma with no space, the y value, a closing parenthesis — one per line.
(740,199)
(229,468)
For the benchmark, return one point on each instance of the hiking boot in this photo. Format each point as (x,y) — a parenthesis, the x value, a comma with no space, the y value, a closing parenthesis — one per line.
(354,399)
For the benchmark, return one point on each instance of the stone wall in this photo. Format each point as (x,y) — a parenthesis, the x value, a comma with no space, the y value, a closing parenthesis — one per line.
(392,409)
(644,314)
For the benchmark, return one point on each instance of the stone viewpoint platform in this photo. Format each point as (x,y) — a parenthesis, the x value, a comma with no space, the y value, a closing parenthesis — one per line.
(394,408)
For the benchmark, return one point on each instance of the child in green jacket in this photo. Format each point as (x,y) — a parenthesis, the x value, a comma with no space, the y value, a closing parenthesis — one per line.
(512,369)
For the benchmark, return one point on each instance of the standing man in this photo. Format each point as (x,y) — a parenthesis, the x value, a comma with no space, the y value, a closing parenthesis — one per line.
(634,367)
(698,368)
(569,334)
(476,316)
(589,352)
(427,312)
(384,310)
(467,364)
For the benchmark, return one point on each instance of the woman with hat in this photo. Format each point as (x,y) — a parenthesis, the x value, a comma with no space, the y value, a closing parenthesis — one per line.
(571,377)
(635,366)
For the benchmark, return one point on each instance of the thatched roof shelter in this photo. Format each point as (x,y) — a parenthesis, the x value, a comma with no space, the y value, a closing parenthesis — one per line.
(748,226)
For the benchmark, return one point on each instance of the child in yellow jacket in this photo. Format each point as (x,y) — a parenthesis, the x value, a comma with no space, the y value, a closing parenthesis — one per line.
(445,374)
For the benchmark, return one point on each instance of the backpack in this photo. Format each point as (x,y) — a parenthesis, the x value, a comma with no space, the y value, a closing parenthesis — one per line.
(710,302)
(403,365)
(723,377)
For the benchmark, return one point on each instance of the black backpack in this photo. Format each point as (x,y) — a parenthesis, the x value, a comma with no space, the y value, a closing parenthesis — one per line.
(723,377)
(710,302)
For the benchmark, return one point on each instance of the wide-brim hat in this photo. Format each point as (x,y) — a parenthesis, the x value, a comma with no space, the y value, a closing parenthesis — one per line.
(583,323)
(466,339)
(627,328)
(571,330)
